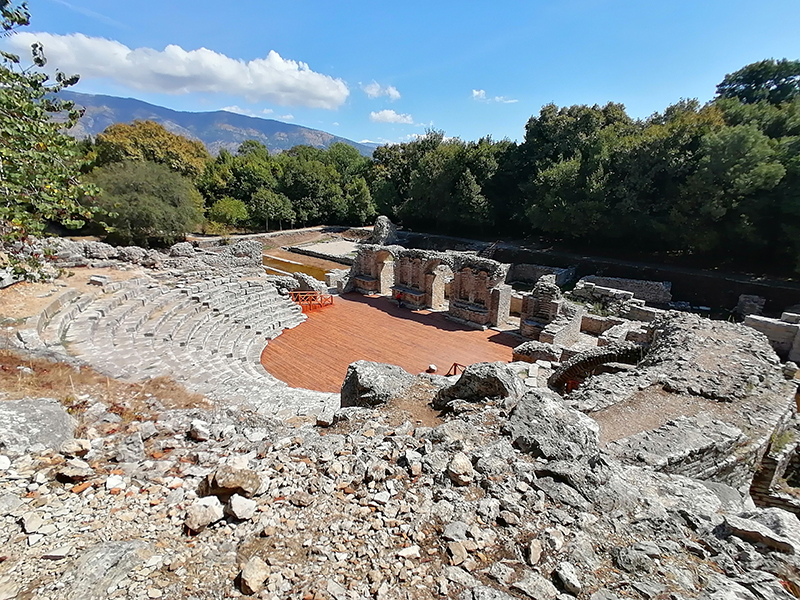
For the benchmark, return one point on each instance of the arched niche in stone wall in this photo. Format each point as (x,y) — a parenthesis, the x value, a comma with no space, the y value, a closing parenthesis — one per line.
(437,275)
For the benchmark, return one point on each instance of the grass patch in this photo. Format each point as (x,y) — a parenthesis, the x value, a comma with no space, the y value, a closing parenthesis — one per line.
(26,378)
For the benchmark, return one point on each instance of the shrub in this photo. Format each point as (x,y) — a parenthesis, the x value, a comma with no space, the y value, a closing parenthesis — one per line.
(148,203)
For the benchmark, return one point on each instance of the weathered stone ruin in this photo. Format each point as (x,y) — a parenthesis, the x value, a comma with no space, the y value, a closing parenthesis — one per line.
(654,292)
(618,302)
(471,288)
(421,278)
(479,295)
(783,333)
(750,304)
(373,270)
(546,316)
(529,273)
(384,232)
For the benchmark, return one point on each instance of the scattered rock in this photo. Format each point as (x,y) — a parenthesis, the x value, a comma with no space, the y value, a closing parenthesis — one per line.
(226,481)
(32,421)
(535,586)
(253,575)
(479,382)
(241,508)
(199,431)
(460,469)
(565,573)
(203,513)
(543,426)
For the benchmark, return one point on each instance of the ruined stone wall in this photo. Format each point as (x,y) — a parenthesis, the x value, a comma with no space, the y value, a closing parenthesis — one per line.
(421,277)
(641,313)
(566,329)
(528,273)
(783,335)
(373,269)
(593,292)
(473,298)
(657,292)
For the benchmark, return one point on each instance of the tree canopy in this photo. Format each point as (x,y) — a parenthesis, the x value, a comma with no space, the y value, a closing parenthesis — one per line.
(39,165)
(303,186)
(774,81)
(720,181)
(147,203)
(147,140)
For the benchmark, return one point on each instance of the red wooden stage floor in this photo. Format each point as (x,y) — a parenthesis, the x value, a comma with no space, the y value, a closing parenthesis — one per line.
(315,354)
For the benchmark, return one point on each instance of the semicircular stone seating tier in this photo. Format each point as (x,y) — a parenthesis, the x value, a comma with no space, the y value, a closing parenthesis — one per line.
(207,334)
(581,365)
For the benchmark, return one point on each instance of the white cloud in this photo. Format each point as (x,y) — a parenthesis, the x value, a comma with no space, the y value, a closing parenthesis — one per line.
(177,71)
(480,96)
(246,111)
(288,117)
(376,90)
(389,116)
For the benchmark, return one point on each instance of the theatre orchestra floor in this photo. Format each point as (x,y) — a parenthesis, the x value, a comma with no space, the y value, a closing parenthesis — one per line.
(315,354)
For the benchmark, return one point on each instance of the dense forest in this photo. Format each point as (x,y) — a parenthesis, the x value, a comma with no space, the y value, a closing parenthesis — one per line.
(714,182)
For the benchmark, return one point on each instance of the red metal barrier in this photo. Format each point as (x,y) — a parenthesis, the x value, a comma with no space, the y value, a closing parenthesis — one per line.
(312,300)
(455,369)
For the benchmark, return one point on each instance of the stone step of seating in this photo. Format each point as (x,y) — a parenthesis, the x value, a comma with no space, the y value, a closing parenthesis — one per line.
(99,308)
(260,315)
(183,334)
(53,330)
(170,321)
(152,326)
(143,302)
(146,330)
(244,302)
(134,321)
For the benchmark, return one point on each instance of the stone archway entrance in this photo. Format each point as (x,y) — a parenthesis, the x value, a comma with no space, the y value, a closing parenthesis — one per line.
(437,276)
(384,272)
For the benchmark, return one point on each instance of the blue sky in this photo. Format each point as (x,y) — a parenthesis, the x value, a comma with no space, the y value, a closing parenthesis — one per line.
(384,71)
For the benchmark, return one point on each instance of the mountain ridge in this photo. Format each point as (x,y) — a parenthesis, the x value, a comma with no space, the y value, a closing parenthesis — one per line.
(217,130)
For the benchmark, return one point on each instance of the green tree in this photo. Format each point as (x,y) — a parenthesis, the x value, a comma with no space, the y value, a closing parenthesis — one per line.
(147,140)
(726,196)
(39,166)
(312,186)
(148,204)
(270,206)
(229,211)
(360,208)
(773,81)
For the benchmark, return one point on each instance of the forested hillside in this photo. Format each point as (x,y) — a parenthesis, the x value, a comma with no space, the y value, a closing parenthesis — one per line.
(218,130)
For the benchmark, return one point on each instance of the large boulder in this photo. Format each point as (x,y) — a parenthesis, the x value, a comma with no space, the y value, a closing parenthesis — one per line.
(100,568)
(480,382)
(384,232)
(533,351)
(251,249)
(542,425)
(370,384)
(182,250)
(31,422)
(227,481)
